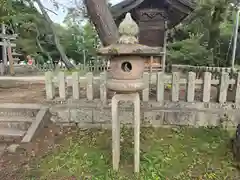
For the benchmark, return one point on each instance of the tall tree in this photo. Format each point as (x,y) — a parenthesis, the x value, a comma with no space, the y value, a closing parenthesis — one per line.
(24,15)
(101,17)
(55,37)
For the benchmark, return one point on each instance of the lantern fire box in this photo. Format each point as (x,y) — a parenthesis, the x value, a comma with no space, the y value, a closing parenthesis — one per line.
(127,58)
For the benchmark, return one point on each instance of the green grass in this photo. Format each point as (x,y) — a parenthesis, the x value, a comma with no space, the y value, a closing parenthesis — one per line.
(174,154)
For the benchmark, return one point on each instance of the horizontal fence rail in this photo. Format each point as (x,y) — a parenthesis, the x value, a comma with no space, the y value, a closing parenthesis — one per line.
(159,87)
(96,68)
(199,70)
(202,68)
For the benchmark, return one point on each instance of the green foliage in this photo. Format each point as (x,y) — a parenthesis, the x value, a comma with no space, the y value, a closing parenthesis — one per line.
(177,153)
(35,37)
(81,43)
(189,52)
(204,39)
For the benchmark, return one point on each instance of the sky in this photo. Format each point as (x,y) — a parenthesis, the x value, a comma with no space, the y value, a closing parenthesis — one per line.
(61,13)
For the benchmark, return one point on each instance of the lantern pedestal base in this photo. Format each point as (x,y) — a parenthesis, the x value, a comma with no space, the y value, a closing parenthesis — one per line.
(134,97)
(125,86)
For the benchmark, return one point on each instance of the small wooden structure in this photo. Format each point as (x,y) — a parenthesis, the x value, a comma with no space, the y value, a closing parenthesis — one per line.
(151,16)
(154,18)
(7,52)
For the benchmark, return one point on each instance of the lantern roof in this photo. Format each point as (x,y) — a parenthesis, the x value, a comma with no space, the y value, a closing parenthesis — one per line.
(128,43)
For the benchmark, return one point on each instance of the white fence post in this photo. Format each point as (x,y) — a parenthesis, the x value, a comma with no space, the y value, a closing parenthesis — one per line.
(75,85)
(62,85)
(49,86)
(89,77)
(175,86)
(191,86)
(237,95)
(223,87)
(207,86)
(145,92)
(103,88)
(160,86)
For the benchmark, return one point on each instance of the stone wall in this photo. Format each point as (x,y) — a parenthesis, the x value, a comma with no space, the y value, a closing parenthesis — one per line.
(94,113)
(18,116)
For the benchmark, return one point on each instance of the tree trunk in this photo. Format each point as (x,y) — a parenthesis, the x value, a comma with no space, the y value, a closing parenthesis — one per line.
(56,39)
(40,46)
(103,21)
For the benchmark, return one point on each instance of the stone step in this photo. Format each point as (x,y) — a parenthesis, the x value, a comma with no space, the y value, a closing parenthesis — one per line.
(16,119)
(10,132)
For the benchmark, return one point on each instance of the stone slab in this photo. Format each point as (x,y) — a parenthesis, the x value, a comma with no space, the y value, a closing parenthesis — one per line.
(81,115)
(42,117)
(12,148)
(11,132)
(153,113)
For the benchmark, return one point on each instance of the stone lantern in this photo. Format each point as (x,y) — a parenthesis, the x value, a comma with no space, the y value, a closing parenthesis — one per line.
(125,77)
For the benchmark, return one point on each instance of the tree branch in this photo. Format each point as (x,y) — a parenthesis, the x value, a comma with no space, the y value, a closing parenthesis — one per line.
(39,44)
(50,11)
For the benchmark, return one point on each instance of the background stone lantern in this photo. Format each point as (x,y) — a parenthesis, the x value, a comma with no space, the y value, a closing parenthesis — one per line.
(127,59)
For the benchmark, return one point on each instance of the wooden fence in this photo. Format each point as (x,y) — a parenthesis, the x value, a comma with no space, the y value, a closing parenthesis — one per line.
(96,68)
(199,70)
(99,67)
(171,86)
(202,68)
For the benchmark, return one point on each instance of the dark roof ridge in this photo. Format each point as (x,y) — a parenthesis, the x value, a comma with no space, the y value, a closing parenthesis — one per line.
(119,9)
(126,5)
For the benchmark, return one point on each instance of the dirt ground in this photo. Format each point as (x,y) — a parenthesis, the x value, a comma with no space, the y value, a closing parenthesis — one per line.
(14,166)
(14,92)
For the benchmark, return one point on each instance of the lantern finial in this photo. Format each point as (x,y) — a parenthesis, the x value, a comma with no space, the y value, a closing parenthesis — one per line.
(128,30)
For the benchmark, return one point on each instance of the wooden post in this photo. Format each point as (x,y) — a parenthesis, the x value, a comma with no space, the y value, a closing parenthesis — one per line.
(145,92)
(223,87)
(164,47)
(90,86)
(62,85)
(191,86)
(175,86)
(103,88)
(150,76)
(2,68)
(49,86)
(4,51)
(207,86)
(237,95)
(4,46)
(75,85)
(160,87)
(10,58)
